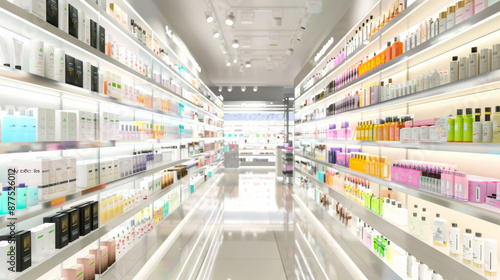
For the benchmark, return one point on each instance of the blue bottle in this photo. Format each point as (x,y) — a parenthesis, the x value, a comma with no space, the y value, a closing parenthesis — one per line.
(9,126)
(22,126)
(31,127)
(22,199)
(32,195)
(5,200)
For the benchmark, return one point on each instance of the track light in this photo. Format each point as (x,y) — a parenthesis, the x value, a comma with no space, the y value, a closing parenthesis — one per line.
(243,88)
(289,51)
(220,89)
(242,69)
(230,19)
(255,88)
(228,63)
(236,44)
(235,60)
(209,17)
(299,36)
(248,64)
(216,34)
(230,88)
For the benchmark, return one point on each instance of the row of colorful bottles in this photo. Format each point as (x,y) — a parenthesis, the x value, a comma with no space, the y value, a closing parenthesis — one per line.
(369,164)
(381,129)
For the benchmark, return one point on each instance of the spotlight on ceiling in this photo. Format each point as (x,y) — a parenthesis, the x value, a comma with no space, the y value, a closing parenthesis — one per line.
(230,19)
(235,60)
(276,21)
(248,64)
(230,88)
(299,36)
(220,89)
(216,34)
(228,63)
(209,17)
(223,49)
(236,44)
(255,88)
(303,23)
(289,51)
(243,88)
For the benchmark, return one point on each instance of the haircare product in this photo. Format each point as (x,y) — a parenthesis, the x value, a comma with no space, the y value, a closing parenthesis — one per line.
(70,70)
(18,53)
(61,224)
(487,126)
(463,66)
(22,240)
(485,61)
(478,250)
(78,73)
(467,246)
(490,257)
(495,57)
(459,126)
(477,127)
(454,69)
(439,231)
(102,39)
(73,21)
(473,63)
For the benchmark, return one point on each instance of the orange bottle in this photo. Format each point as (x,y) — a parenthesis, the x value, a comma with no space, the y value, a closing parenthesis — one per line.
(388,52)
(387,127)
(384,168)
(397,48)
(392,130)
(380,131)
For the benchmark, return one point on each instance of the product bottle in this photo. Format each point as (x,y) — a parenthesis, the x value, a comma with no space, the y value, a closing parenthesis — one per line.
(478,250)
(397,48)
(487,126)
(443,17)
(436,276)
(21,199)
(454,240)
(467,246)
(32,197)
(415,224)
(495,57)
(439,231)
(473,62)
(490,257)
(424,228)
(37,62)
(463,67)
(22,126)
(469,9)
(450,131)
(388,52)
(387,128)
(31,127)
(485,61)
(496,125)
(459,16)
(451,17)
(9,126)
(454,69)
(477,127)
(468,120)
(459,126)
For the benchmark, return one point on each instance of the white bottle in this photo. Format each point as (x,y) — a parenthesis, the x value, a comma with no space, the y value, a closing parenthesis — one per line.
(49,61)
(37,64)
(463,67)
(473,62)
(467,246)
(490,257)
(424,228)
(423,271)
(439,231)
(477,127)
(59,65)
(478,250)
(454,69)
(402,215)
(454,240)
(450,19)
(485,61)
(487,126)
(63,15)
(495,57)
(436,276)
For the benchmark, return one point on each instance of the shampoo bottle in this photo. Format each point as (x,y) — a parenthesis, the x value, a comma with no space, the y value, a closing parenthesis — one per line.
(496,125)
(487,126)
(490,257)
(439,231)
(473,62)
(463,66)
(454,240)
(459,126)
(495,57)
(467,246)
(485,61)
(454,69)
(478,250)
(477,127)
(424,229)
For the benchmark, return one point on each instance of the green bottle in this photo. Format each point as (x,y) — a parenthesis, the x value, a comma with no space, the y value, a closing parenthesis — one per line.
(459,126)
(375,243)
(450,132)
(468,129)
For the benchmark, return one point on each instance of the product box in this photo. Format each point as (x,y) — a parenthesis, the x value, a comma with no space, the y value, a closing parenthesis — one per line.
(493,201)
(111,245)
(52,15)
(5,250)
(61,224)
(75,272)
(39,115)
(87,75)
(102,39)
(36,7)
(477,189)
(88,263)
(78,73)
(50,127)
(81,26)
(94,83)
(93,34)
(101,258)
(85,174)
(73,21)
(74,223)
(94,207)
(70,70)
(61,126)
(72,126)
(85,218)
(38,240)
(22,240)
(50,233)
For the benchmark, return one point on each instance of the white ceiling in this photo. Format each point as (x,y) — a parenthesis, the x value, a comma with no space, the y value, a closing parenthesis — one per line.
(188,18)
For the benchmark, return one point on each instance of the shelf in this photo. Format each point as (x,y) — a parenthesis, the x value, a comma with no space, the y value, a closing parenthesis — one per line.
(133,261)
(367,42)
(445,265)
(476,20)
(63,254)
(484,82)
(481,211)
(242,155)
(37,81)
(256,163)
(25,147)
(144,48)
(479,148)
(366,261)
(47,206)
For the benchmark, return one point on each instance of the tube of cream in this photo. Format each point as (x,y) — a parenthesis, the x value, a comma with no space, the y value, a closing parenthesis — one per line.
(5,51)
(18,53)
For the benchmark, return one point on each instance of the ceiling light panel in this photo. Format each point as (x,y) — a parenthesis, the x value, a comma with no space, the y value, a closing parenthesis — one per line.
(247,17)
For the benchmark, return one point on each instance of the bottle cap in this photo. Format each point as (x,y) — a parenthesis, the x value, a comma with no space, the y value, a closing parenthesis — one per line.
(438,215)
(451,9)
(371,16)
(400,205)
(423,218)
(487,110)
(414,214)
(395,39)
(424,209)
(415,206)
(460,112)
(473,50)
(468,231)
(443,15)
(478,234)
(468,111)
(477,111)
(454,58)
(454,225)
(388,44)
(497,109)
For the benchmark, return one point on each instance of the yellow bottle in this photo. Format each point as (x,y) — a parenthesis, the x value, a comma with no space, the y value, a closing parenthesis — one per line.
(370,131)
(375,130)
(367,164)
(384,168)
(377,166)
(358,131)
(387,127)
(372,165)
(362,135)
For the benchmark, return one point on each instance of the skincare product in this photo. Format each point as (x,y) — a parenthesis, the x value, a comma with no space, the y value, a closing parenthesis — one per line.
(61,224)
(485,61)
(18,53)
(467,246)
(454,69)
(73,21)
(63,15)
(463,66)
(52,12)
(477,127)
(490,257)
(454,240)
(478,250)
(49,61)
(487,126)
(439,231)
(70,70)
(473,63)
(495,57)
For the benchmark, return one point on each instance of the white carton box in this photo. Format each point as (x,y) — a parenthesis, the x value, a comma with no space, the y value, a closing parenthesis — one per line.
(61,126)
(50,233)
(38,243)
(72,126)
(39,115)
(50,121)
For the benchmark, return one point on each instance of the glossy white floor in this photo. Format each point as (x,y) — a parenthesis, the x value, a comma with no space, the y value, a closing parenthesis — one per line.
(252,229)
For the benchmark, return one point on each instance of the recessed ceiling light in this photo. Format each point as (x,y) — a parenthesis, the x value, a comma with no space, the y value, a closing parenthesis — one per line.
(220,89)
(216,34)
(209,17)
(236,44)
(230,19)
(243,88)
(248,64)
(289,51)
(235,60)
(230,88)
(228,63)
(255,88)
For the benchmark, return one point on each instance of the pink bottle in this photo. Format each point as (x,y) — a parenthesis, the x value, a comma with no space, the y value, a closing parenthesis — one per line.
(469,9)
(461,186)
(480,5)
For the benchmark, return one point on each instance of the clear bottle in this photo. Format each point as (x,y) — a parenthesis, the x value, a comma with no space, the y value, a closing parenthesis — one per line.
(415,225)
(424,229)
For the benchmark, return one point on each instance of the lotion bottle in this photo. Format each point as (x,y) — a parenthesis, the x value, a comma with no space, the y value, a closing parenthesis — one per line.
(463,67)
(485,61)
(473,63)
(490,257)
(451,17)
(496,125)
(454,69)
(477,127)
(478,250)
(487,126)
(439,231)
(467,246)
(443,16)
(495,57)
(454,244)
(424,229)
